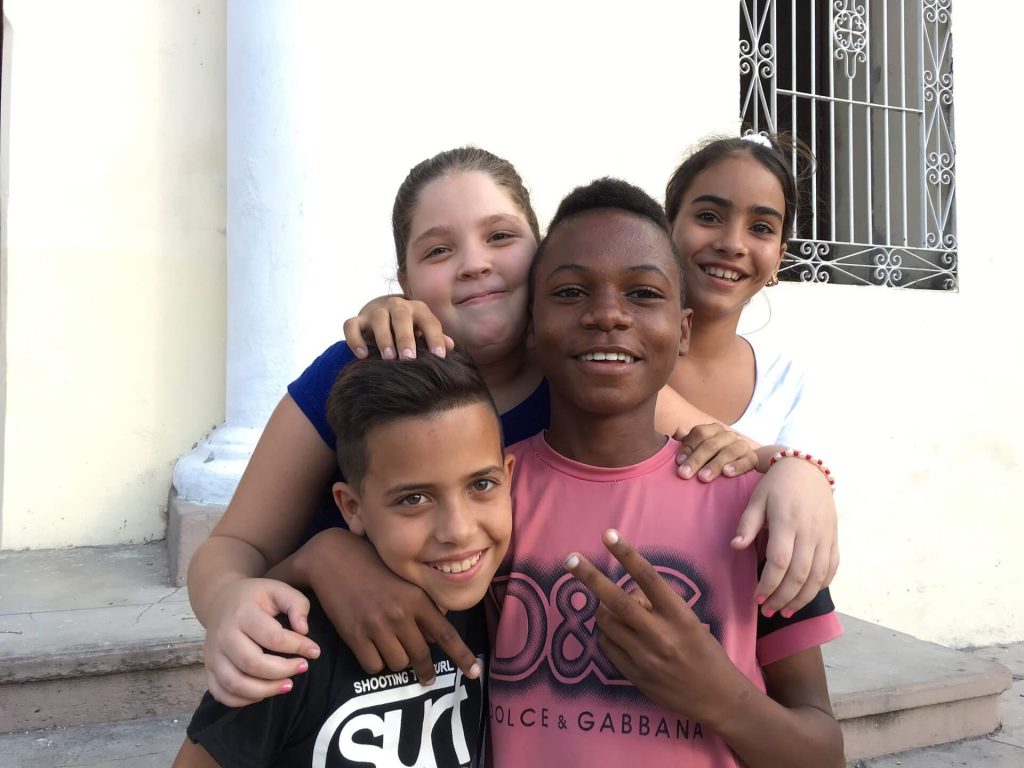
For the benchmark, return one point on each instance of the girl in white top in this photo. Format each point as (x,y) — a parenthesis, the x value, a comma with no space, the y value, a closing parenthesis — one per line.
(732,204)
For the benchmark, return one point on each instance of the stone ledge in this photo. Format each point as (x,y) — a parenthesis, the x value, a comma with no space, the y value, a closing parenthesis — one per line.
(892,692)
(188,525)
(100,698)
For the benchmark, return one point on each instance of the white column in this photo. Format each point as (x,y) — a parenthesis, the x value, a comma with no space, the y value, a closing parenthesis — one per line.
(266,236)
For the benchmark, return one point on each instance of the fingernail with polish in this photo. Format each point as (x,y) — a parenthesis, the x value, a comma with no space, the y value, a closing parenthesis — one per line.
(408,354)
(728,469)
(686,470)
(761,599)
(572,561)
(611,536)
(286,686)
(303,667)
(787,614)
(768,613)
(705,474)
(360,351)
(387,353)
(474,672)
(314,652)
(439,351)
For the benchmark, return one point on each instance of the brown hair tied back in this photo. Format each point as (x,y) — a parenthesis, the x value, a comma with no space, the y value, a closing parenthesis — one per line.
(460,160)
(776,152)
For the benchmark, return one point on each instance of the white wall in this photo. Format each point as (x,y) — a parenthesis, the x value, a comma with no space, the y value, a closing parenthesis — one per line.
(566,91)
(115,262)
(925,389)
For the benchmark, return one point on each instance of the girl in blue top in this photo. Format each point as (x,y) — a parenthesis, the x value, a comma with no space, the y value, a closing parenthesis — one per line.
(465,234)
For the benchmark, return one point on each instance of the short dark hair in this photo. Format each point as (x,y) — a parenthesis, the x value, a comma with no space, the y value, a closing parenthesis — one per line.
(372,392)
(458,160)
(775,157)
(608,193)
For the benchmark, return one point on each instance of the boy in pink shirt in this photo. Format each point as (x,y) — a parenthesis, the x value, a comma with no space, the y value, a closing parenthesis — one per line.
(580,668)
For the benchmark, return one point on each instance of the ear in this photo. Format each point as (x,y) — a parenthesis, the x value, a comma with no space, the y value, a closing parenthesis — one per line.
(778,262)
(347,499)
(403,278)
(531,336)
(510,465)
(684,331)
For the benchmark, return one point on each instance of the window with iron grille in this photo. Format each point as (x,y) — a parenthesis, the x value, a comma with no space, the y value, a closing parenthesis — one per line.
(869,88)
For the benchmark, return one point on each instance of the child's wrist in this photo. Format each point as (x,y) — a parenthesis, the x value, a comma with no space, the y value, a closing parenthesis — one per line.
(317,562)
(764,456)
(302,567)
(814,461)
(311,556)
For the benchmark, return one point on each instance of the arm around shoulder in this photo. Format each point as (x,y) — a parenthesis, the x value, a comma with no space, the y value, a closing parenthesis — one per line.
(290,468)
(276,497)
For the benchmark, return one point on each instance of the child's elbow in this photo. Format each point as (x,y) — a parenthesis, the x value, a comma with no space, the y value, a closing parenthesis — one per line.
(833,749)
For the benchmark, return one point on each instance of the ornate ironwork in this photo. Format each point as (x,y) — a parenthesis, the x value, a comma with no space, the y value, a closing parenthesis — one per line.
(851,264)
(869,87)
(850,35)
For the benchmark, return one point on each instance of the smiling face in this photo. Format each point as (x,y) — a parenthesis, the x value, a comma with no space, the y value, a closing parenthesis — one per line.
(468,256)
(440,519)
(729,232)
(607,321)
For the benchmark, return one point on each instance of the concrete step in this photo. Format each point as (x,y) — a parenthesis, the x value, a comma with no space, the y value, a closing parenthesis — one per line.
(94,635)
(99,635)
(143,743)
(892,692)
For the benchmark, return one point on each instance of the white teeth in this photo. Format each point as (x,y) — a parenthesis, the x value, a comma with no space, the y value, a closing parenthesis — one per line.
(725,274)
(620,357)
(458,566)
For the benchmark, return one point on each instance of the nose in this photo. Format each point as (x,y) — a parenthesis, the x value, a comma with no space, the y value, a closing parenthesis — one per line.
(731,239)
(475,262)
(454,522)
(607,311)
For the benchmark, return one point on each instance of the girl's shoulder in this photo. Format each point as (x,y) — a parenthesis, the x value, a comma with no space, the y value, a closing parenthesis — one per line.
(778,373)
(331,360)
(310,389)
(781,401)
(773,359)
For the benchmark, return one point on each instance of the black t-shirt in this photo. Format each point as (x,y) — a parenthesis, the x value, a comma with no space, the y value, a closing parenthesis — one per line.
(338,716)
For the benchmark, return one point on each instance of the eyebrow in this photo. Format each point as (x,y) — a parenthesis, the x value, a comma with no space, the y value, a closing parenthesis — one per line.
(486,221)
(573,267)
(426,486)
(759,210)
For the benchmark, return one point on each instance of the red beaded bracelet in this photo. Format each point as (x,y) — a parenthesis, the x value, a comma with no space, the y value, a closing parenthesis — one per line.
(790,453)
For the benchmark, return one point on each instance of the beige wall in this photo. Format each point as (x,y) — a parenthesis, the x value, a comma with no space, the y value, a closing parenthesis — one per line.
(114,262)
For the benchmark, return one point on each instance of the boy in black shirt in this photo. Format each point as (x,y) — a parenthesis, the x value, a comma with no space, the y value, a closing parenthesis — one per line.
(419,443)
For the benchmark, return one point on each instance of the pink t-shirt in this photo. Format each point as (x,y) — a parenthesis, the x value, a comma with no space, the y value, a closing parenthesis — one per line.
(553,692)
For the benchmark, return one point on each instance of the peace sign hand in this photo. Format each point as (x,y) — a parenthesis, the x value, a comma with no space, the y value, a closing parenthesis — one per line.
(662,649)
